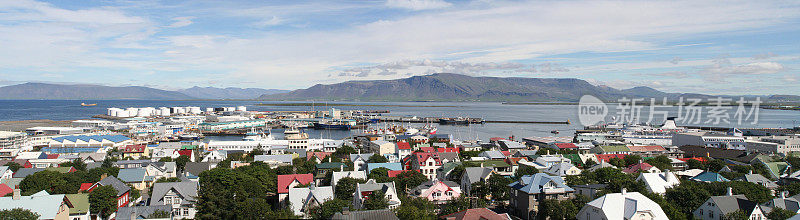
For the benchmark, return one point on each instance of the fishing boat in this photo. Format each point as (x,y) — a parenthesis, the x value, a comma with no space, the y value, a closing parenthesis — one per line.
(189,137)
(554,132)
(453,121)
(332,125)
(84,104)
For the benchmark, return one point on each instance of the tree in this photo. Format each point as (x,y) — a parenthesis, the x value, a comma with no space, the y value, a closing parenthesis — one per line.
(589,163)
(18,214)
(557,209)
(13,166)
(328,209)
(241,193)
(165,159)
(617,162)
(408,180)
(716,165)
(375,158)
(498,186)
(415,208)
(103,201)
(456,173)
(168,180)
(688,196)
(459,204)
(380,175)
(78,164)
(376,200)
(736,215)
(159,214)
(525,170)
(793,188)
(780,214)
(695,164)
(346,187)
(632,159)
(793,160)
(51,181)
(284,170)
(181,161)
(661,162)
(343,152)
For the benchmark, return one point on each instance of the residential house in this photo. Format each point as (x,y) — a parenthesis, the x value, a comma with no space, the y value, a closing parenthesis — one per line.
(317,157)
(477,213)
(92,157)
(437,191)
(510,145)
(161,170)
(195,168)
(563,169)
(492,155)
(529,190)
(188,153)
(141,212)
(381,147)
(364,190)
(45,205)
(708,176)
(23,162)
(286,182)
(607,157)
(123,191)
(359,161)
(659,182)
(137,178)
(781,201)
(611,149)
(352,174)
(6,173)
(647,151)
(601,165)
(473,175)
(641,167)
(135,151)
(158,153)
(500,167)
(446,170)
(324,168)
(390,166)
(182,196)
(79,206)
(31,155)
(717,207)
(403,149)
(530,155)
(590,191)
(427,163)
(303,199)
(624,205)
(758,179)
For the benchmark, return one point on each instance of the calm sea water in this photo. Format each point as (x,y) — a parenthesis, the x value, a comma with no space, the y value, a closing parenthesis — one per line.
(13,110)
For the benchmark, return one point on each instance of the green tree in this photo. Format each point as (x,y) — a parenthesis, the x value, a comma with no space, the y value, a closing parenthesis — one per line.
(408,180)
(415,208)
(160,214)
(103,201)
(18,214)
(51,181)
(525,170)
(241,193)
(165,159)
(617,162)
(688,196)
(284,170)
(459,204)
(376,200)
(695,164)
(343,152)
(181,161)
(736,215)
(78,164)
(793,160)
(375,158)
(715,165)
(328,209)
(557,209)
(661,162)
(498,186)
(589,163)
(168,179)
(346,187)
(380,175)
(780,214)
(632,159)
(14,166)
(456,173)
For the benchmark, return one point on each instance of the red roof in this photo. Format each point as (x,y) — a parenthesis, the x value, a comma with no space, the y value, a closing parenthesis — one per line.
(86,186)
(138,148)
(701,159)
(607,157)
(393,173)
(285,180)
(402,145)
(506,153)
(637,168)
(320,155)
(52,156)
(476,214)
(427,149)
(646,148)
(448,149)
(496,139)
(421,157)
(185,152)
(565,145)
(4,189)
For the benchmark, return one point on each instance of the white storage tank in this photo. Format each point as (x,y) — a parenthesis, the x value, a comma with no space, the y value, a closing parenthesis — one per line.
(241,109)
(209,109)
(164,111)
(194,110)
(230,109)
(124,114)
(132,112)
(178,110)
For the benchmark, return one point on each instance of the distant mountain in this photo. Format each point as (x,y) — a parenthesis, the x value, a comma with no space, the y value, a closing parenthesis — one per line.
(87,92)
(228,93)
(456,87)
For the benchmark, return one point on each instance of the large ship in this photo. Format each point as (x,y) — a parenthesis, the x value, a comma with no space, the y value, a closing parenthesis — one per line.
(334,125)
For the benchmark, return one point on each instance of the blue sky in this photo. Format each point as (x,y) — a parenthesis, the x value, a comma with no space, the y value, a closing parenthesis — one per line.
(712,47)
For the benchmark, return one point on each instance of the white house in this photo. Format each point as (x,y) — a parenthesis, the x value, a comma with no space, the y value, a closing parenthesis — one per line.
(352,174)
(180,195)
(659,182)
(718,206)
(563,169)
(625,205)
(364,190)
(303,199)
(382,147)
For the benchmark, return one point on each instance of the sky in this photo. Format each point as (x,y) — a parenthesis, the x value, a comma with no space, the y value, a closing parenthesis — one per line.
(710,47)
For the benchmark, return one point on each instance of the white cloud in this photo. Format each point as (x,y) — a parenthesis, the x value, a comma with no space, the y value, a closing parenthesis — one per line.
(274,20)
(758,68)
(181,22)
(418,4)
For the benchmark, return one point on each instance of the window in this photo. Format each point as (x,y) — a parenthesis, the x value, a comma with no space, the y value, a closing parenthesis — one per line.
(186,212)
(389,197)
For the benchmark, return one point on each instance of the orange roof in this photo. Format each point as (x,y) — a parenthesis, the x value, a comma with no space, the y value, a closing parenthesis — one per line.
(701,159)
(393,173)
(320,155)
(565,145)
(607,157)
(402,145)
(638,167)
(646,148)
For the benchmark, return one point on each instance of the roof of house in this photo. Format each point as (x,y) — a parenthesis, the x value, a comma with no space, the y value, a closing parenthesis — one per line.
(625,205)
(87,138)
(708,176)
(394,173)
(566,145)
(477,214)
(421,157)
(132,175)
(787,203)
(390,166)
(42,203)
(134,148)
(614,148)
(320,155)
(728,204)
(80,203)
(285,180)
(352,174)
(371,186)
(560,168)
(602,164)
(24,172)
(121,187)
(532,184)
(607,157)
(449,156)
(493,154)
(141,212)
(186,189)
(758,179)
(5,189)
(299,196)
(646,148)
(418,190)
(475,174)
(331,165)
(638,167)
(365,157)
(659,182)
(383,214)
(402,145)
(195,168)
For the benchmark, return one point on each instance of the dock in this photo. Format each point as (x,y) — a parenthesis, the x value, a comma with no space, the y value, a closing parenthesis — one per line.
(463,121)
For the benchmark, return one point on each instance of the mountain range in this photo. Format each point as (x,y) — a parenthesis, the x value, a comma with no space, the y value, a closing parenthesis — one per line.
(98,92)
(228,93)
(456,87)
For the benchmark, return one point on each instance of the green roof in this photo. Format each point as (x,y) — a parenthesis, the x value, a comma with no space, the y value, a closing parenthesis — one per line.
(80,203)
(189,147)
(776,168)
(574,158)
(59,169)
(331,165)
(447,167)
(615,148)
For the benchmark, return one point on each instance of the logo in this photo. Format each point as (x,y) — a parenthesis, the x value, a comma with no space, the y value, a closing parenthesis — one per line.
(591,110)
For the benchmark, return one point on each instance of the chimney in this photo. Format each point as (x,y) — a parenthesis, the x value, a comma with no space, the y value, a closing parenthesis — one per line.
(624,191)
(730,191)
(750,172)
(341,167)
(783,194)
(481,164)
(17,193)
(103,176)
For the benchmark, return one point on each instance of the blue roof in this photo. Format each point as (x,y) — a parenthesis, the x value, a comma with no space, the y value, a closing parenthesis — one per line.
(131,175)
(62,150)
(532,184)
(390,166)
(87,138)
(707,176)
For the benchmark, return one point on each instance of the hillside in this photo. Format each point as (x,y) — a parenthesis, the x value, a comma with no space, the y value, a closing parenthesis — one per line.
(79,92)
(228,93)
